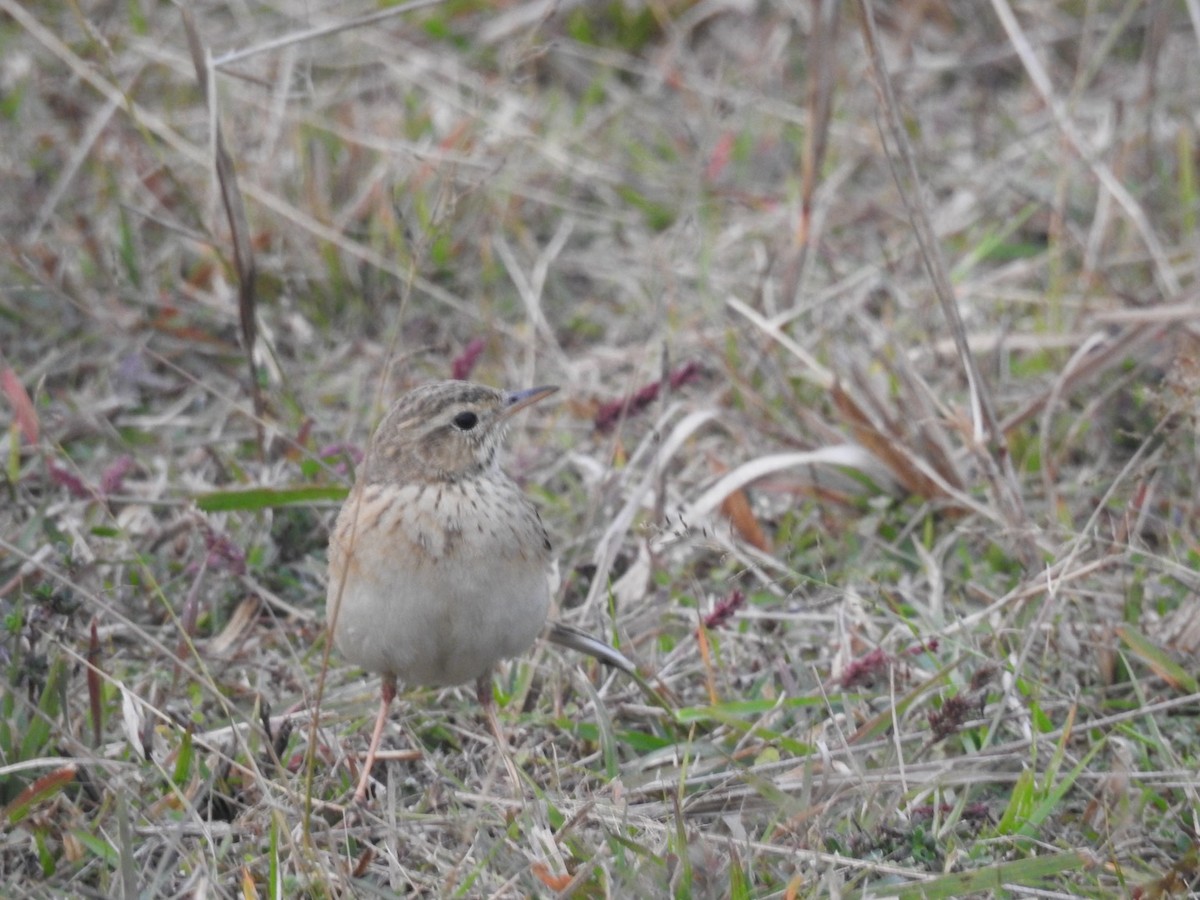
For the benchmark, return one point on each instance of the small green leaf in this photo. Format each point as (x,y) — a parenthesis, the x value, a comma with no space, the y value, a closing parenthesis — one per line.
(1041,721)
(183,762)
(38,733)
(268,498)
(45,856)
(99,847)
(1160,663)
(1020,804)
(997,880)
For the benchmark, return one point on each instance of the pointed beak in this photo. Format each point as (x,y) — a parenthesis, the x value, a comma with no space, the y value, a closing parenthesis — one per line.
(516,401)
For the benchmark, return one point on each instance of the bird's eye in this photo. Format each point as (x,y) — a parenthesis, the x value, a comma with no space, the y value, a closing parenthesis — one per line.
(465,421)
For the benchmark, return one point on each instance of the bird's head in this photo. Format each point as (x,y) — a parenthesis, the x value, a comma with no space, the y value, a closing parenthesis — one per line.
(444,431)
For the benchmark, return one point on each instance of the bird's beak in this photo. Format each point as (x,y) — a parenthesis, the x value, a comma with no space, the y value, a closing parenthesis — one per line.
(516,401)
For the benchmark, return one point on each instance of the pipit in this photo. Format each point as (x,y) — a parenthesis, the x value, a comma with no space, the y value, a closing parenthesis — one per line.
(439,563)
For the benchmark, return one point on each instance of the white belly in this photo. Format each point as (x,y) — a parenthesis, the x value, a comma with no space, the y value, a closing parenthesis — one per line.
(437,606)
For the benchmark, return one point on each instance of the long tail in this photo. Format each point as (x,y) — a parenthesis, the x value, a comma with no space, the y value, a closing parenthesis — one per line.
(567,636)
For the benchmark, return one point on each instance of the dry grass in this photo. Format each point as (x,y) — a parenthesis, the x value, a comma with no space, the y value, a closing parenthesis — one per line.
(908,535)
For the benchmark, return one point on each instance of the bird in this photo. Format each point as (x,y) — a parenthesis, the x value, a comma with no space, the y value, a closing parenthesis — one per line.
(439,564)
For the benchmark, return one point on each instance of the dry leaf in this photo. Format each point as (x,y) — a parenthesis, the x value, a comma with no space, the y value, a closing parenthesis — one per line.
(549,879)
(736,508)
(23,409)
(239,623)
(886,447)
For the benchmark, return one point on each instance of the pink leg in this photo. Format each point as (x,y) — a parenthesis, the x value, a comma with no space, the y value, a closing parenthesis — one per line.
(483,690)
(387,693)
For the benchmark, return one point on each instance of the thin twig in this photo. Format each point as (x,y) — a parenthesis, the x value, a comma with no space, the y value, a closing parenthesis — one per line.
(997,462)
(235,212)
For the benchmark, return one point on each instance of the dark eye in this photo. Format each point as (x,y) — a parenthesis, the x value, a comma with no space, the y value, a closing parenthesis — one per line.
(465,421)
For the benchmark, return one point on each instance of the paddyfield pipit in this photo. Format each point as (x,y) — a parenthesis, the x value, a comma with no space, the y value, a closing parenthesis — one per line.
(438,563)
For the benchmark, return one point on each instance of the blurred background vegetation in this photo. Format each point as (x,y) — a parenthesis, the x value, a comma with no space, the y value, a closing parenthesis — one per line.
(876,449)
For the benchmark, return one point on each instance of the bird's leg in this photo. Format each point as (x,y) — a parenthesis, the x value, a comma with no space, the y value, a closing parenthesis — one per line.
(483,690)
(387,693)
